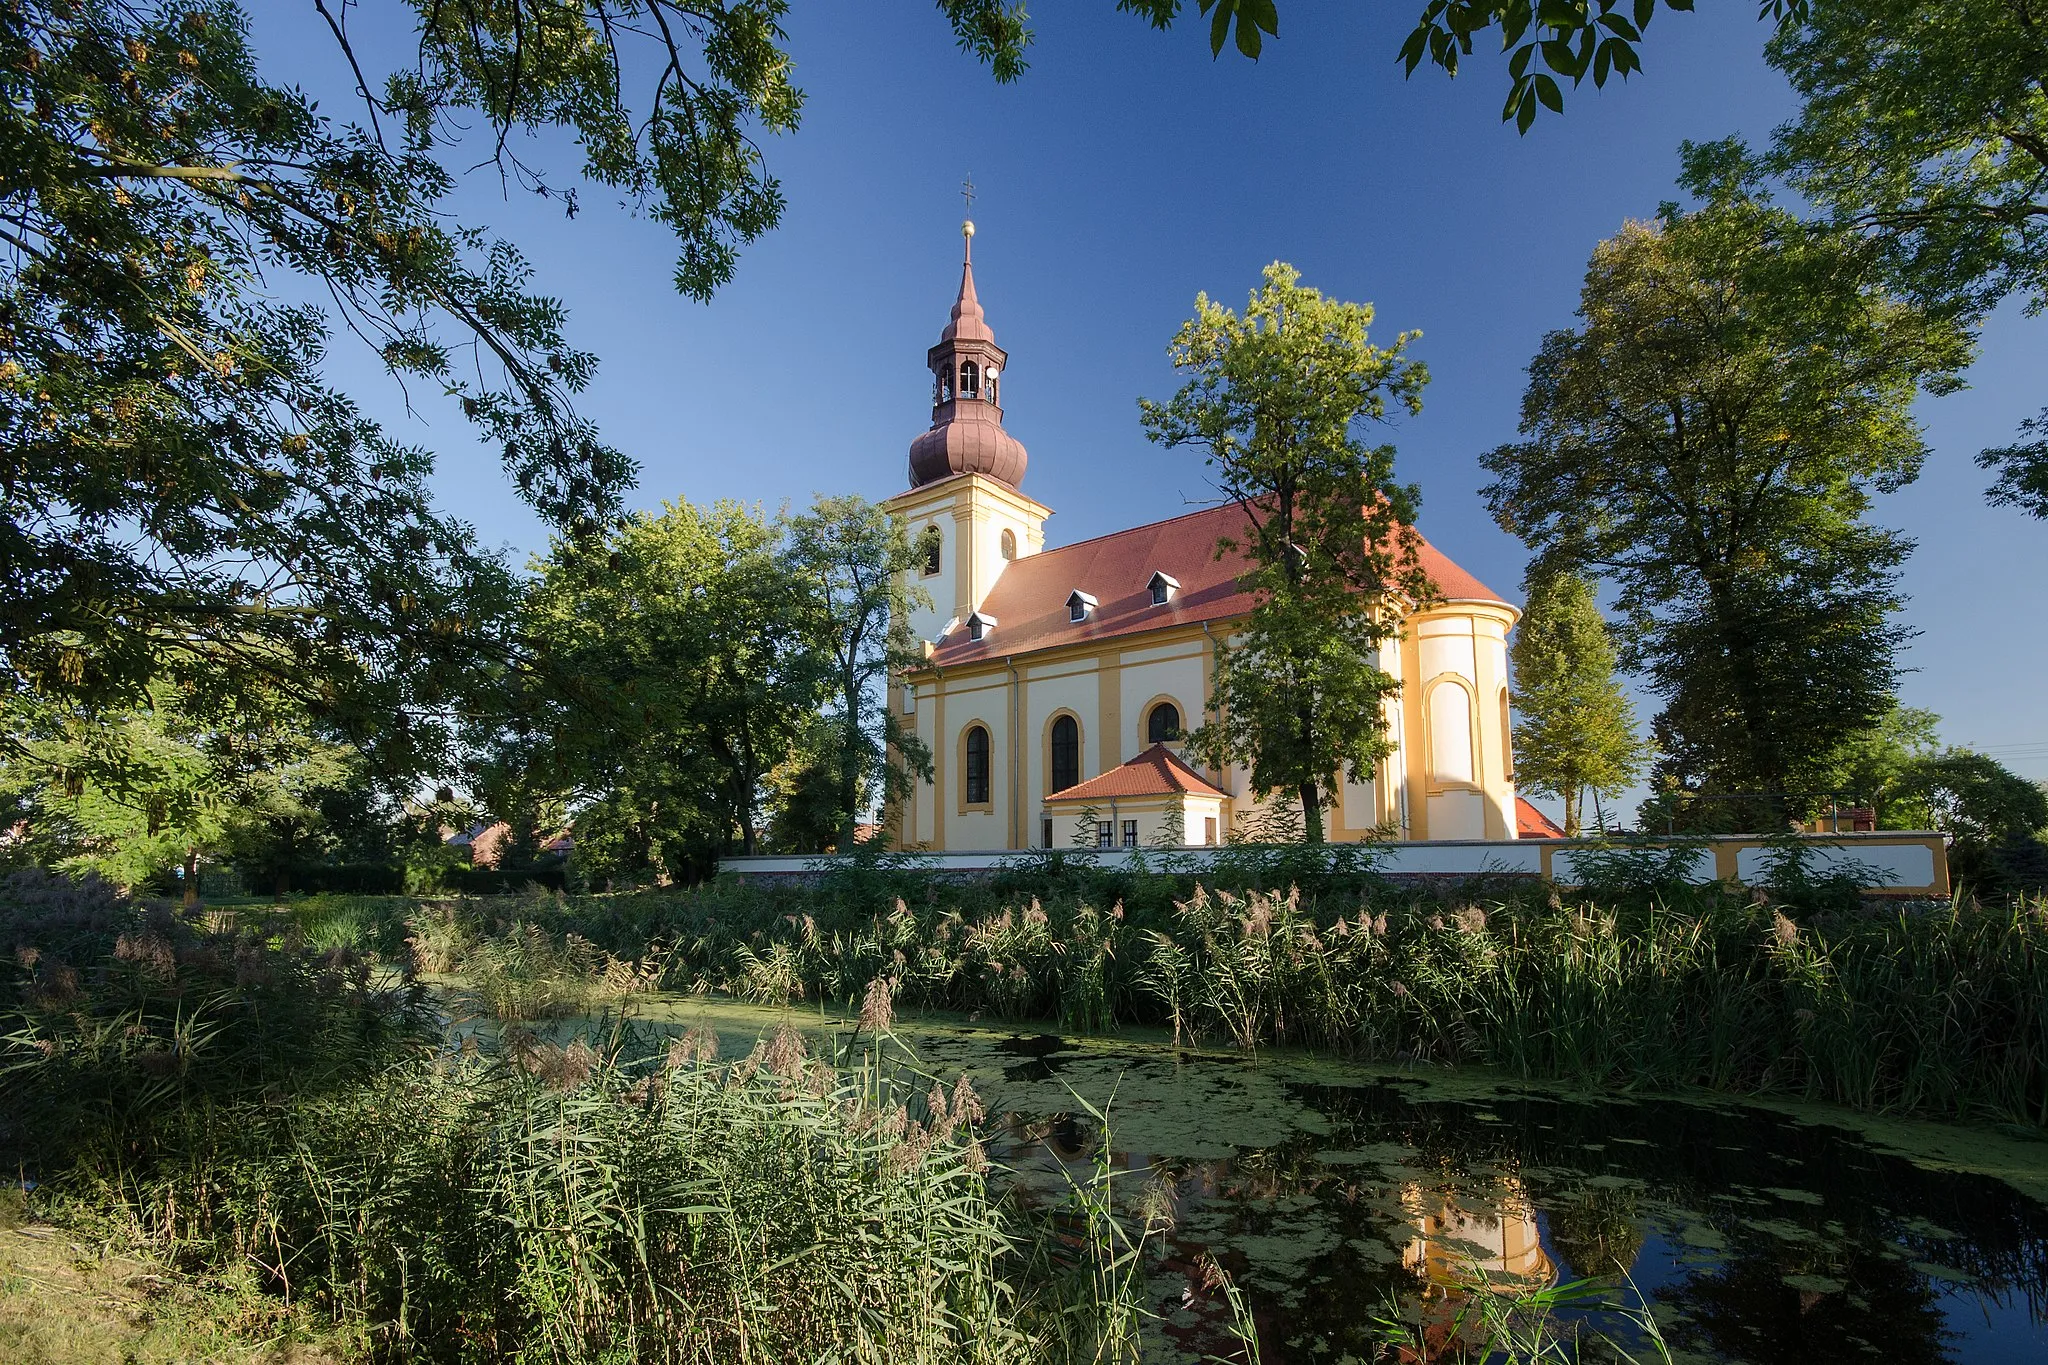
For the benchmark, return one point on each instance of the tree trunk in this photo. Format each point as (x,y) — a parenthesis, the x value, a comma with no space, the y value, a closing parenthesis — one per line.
(1572,798)
(191,877)
(1311,812)
(849,766)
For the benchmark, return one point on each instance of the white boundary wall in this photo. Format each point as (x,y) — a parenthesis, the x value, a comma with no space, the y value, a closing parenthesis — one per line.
(1913,863)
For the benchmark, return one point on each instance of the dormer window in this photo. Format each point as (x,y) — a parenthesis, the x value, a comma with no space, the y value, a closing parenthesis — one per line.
(1164,586)
(978,626)
(1080,605)
(970,379)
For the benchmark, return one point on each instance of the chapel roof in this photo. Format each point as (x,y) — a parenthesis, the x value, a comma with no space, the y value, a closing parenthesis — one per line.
(1156,772)
(1030,598)
(1531,823)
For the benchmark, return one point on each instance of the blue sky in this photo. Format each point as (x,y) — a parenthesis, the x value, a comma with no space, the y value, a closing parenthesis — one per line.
(1122,174)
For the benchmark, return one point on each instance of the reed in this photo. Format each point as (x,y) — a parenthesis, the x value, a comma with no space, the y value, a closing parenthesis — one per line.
(1937,1009)
(235,1105)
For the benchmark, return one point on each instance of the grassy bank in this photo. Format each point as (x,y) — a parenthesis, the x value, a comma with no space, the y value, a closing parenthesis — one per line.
(253,1098)
(1938,1010)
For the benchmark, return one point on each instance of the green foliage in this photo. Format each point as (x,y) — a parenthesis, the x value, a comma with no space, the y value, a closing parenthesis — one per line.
(2022,469)
(1549,40)
(1922,129)
(1709,438)
(202,1094)
(1274,400)
(859,564)
(1642,979)
(1576,728)
(1974,798)
(682,665)
(1923,126)
(188,776)
(1871,768)
(186,501)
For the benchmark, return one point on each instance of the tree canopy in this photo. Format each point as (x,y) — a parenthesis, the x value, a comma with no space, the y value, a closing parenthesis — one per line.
(857,564)
(1276,400)
(1709,438)
(1575,728)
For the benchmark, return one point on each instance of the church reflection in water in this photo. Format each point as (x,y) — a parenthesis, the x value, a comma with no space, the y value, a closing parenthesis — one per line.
(1421,1243)
(1464,1234)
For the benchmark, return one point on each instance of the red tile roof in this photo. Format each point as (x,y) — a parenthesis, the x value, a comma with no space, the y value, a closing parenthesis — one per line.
(1156,772)
(1531,823)
(1029,601)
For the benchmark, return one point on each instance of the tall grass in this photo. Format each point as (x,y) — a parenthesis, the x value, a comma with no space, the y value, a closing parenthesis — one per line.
(222,1100)
(1936,1009)
(555,1205)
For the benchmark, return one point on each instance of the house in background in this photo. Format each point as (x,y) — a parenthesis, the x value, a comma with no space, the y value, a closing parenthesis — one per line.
(1057,682)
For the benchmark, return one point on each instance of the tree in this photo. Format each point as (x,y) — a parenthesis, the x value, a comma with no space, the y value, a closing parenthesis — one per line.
(183,497)
(2022,469)
(1996,820)
(1973,798)
(165,786)
(1576,728)
(1871,767)
(1925,126)
(858,561)
(1709,437)
(185,500)
(678,663)
(1275,400)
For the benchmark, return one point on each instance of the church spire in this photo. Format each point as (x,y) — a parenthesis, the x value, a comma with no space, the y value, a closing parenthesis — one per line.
(966,434)
(968,320)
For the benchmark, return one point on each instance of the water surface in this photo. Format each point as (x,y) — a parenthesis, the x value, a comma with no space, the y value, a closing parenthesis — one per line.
(1336,1194)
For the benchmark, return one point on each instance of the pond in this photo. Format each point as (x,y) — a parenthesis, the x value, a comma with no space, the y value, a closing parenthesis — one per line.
(1335,1195)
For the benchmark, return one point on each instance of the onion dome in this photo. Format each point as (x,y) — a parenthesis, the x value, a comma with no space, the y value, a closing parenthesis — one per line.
(966,435)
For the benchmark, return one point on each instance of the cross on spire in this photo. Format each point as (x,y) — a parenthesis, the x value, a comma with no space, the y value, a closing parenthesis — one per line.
(967,192)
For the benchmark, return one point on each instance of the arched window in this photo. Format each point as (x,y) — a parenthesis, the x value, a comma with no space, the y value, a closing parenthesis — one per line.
(946,385)
(1066,754)
(1450,733)
(977,765)
(970,379)
(1163,724)
(1009,544)
(931,549)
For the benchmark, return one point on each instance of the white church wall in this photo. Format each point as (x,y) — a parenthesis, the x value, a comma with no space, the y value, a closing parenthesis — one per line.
(927,621)
(1445,645)
(980,701)
(1177,676)
(1360,805)
(924,798)
(1049,690)
(1457,815)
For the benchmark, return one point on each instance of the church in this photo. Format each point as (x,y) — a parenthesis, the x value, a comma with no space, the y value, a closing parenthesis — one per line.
(1057,681)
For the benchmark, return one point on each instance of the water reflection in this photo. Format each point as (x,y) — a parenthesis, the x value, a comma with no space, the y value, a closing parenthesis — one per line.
(1753,1237)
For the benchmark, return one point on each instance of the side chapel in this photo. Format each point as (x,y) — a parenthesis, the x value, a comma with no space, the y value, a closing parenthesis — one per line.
(1057,682)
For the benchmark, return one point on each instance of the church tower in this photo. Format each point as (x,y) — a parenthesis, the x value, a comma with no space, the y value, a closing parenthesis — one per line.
(966,474)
